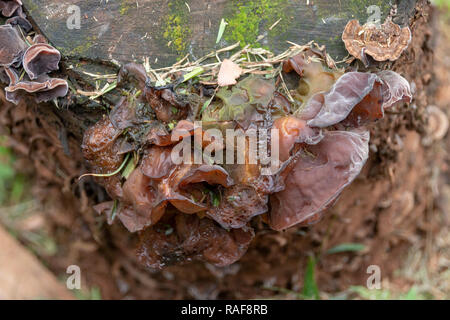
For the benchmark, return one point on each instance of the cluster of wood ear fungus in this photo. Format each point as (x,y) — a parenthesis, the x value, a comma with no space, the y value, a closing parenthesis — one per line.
(25,62)
(209,211)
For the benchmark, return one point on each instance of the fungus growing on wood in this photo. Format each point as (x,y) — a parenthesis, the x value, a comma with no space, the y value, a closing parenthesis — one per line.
(101,144)
(9,7)
(292,131)
(358,98)
(166,103)
(239,204)
(319,175)
(21,22)
(314,74)
(395,88)
(185,238)
(40,58)
(188,211)
(157,162)
(13,46)
(42,89)
(386,42)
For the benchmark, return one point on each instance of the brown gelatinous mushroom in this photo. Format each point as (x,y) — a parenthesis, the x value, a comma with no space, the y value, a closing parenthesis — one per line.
(42,89)
(369,109)
(158,182)
(318,176)
(386,42)
(358,98)
(132,72)
(166,103)
(279,105)
(292,130)
(188,196)
(350,90)
(9,7)
(123,115)
(12,47)
(185,238)
(21,22)
(395,88)
(158,134)
(228,73)
(157,162)
(101,145)
(40,58)
(247,198)
(239,204)
(315,76)
(140,204)
(212,174)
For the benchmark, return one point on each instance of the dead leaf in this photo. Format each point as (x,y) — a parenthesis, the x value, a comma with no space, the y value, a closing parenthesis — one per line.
(228,73)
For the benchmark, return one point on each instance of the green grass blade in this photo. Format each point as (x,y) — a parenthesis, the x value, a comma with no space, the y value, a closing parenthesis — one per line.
(222,27)
(310,289)
(347,247)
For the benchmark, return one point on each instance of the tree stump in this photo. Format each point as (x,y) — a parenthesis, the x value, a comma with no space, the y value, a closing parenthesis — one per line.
(385,203)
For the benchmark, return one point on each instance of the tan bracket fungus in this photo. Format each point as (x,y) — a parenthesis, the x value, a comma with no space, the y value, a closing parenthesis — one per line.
(386,42)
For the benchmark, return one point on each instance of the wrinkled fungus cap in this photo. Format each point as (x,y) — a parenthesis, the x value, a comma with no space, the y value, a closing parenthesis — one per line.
(40,58)
(384,43)
(8,7)
(43,89)
(12,46)
(318,177)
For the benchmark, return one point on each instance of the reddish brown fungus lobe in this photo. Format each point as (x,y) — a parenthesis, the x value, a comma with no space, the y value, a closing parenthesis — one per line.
(187,211)
(185,238)
(12,47)
(319,174)
(40,58)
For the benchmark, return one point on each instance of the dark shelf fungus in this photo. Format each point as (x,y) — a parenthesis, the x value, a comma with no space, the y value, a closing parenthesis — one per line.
(319,173)
(42,89)
(13,46)
(20,22)
(384,42)
(358,98)
(40,58)
(23,65)
(183,238)
(312,128)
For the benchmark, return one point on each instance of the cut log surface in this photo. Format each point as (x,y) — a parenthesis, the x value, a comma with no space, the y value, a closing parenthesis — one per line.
(164,31)
(22,276)
(121,31)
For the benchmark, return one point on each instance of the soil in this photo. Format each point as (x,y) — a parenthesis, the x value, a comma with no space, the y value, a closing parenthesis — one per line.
(390,208)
